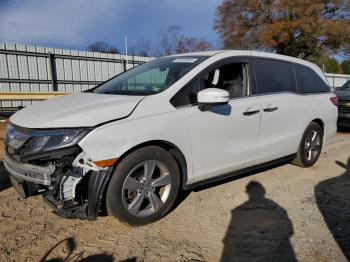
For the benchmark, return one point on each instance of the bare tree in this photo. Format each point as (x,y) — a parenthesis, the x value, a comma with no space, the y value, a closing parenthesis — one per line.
(192,44)
(172,40)
(169,37)
(102,47)
(142,48)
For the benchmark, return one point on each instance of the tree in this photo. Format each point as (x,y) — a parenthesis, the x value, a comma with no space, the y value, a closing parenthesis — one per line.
(142,48)
(102,47)
(172,40)
(331,65)
(345,65)
(300,28)
(169,38)
(192,44)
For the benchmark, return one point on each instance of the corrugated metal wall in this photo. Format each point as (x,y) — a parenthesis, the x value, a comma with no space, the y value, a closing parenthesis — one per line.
(42,69)
(29,69)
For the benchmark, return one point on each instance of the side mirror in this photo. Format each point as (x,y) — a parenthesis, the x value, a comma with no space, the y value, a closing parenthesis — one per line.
(213,96)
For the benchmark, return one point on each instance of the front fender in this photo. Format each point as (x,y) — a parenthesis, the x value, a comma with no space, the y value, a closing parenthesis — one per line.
(115,139)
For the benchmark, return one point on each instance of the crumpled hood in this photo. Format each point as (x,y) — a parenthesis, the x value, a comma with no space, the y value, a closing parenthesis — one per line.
(76,110)
(343,95)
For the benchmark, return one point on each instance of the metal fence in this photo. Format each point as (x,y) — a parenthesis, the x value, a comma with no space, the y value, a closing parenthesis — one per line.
(336,80)
(42,69)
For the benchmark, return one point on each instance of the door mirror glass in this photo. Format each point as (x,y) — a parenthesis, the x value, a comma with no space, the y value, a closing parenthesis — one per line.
(213,96)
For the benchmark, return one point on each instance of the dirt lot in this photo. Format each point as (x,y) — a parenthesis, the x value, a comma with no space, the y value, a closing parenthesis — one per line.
(282,214)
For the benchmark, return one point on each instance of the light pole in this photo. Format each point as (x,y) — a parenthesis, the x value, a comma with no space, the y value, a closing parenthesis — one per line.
(126,51)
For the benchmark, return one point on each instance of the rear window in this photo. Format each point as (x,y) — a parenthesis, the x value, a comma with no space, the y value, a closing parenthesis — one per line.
(309,81)
(274,76)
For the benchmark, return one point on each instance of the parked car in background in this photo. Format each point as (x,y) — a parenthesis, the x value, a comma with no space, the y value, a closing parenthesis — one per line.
(176,122)
(343,94)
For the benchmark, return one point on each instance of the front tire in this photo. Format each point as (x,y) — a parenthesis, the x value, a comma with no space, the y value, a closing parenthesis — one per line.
(310,146)
(144,186)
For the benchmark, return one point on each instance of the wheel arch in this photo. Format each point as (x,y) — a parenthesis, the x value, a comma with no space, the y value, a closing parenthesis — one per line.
(318,121)
(314,119)
(172,149)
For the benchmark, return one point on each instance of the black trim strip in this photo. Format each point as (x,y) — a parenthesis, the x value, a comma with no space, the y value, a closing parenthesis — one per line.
(238,172)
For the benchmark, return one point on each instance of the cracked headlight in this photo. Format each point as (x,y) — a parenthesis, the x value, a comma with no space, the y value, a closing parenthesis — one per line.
(16,137)
(47,140)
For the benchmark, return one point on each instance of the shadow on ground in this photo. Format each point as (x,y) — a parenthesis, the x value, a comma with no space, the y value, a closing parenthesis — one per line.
(333,201)
(4,178)
(69,245)
(259,230)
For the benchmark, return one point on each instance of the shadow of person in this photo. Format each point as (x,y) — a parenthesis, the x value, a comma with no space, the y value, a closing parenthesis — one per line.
(100,258)
(4,178)
(70,246)
(259,230)
(333,201)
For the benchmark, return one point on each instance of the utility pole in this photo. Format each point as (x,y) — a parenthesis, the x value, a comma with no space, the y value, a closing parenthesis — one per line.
(126,50)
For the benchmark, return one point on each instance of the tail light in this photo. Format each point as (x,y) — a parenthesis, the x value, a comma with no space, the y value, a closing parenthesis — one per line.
(334,100)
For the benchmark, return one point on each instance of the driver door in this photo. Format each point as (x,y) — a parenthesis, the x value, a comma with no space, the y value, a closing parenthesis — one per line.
(224,138)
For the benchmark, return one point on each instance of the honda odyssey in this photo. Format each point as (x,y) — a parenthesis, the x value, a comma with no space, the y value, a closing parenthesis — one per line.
(130,144)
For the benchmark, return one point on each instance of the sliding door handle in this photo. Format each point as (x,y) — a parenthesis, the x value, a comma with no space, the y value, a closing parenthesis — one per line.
(251,112)
(270,109)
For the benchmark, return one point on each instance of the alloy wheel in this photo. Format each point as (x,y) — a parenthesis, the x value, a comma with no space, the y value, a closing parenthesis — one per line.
(312,145)
(146,188)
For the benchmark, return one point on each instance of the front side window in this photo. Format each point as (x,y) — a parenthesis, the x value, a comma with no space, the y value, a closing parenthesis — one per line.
(309,81)
(232,77)
(274,76)
(150,78)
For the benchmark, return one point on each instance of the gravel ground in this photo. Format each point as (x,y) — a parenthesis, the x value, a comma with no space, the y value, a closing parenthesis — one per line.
(285,213)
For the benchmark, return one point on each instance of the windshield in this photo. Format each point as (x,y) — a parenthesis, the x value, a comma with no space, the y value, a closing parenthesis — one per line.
(150,78)
(346,86)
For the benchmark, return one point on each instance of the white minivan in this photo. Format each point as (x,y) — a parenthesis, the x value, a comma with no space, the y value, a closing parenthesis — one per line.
(130,144)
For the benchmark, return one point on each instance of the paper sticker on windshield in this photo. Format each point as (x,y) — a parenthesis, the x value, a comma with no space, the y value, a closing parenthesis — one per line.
(185,60)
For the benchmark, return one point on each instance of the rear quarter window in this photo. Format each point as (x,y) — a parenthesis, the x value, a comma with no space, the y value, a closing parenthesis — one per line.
(274,76)
(309,81)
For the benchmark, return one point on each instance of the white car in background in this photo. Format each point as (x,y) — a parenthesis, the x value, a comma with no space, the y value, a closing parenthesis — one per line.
(174,123)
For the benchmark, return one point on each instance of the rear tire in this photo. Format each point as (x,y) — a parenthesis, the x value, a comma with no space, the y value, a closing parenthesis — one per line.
(144,186)
(310,146)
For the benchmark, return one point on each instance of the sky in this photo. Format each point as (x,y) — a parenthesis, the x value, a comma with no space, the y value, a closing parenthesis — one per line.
(74,24)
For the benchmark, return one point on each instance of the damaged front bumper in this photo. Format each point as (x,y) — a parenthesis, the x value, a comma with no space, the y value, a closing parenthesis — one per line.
(72,185)
(28,172)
